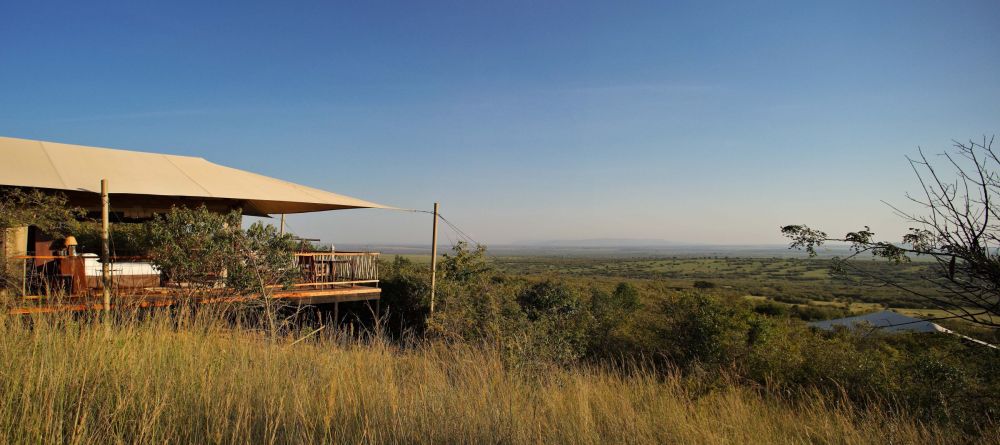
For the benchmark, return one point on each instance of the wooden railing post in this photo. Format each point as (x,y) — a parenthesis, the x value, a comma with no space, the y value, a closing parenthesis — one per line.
(434,256)
(105,249)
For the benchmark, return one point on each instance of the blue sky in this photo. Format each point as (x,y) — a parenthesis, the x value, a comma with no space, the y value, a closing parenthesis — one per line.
(696,122)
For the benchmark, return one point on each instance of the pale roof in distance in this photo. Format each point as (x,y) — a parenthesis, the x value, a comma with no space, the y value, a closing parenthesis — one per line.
(891,322)
(77,168)
(884,321)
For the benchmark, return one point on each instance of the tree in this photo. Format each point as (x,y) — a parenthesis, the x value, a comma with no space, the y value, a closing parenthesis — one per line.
(203,250)
(612,314)
(958,226)
(193,245)
(264,258)
(464,264)
(28,207)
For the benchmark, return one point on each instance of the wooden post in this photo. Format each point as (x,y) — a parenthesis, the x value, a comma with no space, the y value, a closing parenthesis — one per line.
(105,248)
(281,230)
(434,256)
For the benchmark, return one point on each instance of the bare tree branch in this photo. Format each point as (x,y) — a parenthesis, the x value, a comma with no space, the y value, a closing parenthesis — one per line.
(958,229)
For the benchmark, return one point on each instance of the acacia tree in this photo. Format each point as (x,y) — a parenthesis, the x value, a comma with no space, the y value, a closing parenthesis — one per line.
(957,225)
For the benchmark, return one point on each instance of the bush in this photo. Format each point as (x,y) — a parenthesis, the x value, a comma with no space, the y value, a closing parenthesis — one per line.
(611,335)
(701,284)
(548,299)
(193,245)
(126,239)
(263,258)
(46,211)
(532,324)
(771,309)
(197,246)
(791,299)
(464,264)
(813,313)
(406,289)
(700,329)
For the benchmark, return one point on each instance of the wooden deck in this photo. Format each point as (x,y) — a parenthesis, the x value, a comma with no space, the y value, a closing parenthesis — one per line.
(327,278)
(159,297)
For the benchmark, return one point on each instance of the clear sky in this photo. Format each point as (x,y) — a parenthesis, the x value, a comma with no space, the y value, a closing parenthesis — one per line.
(695,122)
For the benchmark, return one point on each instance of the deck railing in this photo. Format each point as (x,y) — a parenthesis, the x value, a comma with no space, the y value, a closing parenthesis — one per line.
(320,269)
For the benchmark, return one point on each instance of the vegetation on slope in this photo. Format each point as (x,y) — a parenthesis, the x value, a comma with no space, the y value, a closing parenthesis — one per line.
(706,333)
(505,358)
(155,381)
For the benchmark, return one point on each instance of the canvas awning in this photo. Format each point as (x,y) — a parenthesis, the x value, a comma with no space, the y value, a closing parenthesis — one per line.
(142,183)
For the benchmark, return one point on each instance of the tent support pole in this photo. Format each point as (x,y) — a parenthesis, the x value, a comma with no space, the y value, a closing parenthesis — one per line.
(105,249)
(434,256)
(281,230)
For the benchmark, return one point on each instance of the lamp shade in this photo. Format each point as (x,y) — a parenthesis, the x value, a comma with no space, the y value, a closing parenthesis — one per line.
(70,241)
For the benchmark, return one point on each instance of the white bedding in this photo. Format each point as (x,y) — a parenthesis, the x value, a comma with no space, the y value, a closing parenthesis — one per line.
(93,267)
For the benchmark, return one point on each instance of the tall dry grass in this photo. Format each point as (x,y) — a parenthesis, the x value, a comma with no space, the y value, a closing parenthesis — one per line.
(69,381)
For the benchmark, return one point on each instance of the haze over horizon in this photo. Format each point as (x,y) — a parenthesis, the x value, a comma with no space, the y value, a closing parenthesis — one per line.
(688,122)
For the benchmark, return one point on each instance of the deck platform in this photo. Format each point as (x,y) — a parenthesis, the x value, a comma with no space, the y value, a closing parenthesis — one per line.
(326,278)
(162,297)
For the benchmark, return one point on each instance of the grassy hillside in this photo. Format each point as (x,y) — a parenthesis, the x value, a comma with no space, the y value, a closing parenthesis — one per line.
(67,381)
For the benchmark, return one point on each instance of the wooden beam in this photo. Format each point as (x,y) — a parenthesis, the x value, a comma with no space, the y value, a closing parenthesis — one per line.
(323,296)
(328,283)
(105,249)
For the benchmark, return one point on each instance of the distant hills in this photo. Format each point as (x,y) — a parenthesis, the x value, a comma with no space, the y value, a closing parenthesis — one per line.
(612,247)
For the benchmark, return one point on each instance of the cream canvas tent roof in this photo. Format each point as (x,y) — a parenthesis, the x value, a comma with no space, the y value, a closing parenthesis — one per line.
(152,181)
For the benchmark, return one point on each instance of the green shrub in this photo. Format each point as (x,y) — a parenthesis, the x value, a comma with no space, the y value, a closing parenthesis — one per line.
(464,264)
(126,239)
(263,258)
(811,313)
(197,246)
(612,333)
(771,309)
(193,245)
(48,212)
(549,299)
(791,299)
(701,284)
(701,329)
(406,289)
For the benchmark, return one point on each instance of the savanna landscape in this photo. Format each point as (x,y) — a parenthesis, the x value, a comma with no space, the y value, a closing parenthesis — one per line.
(518,222)
(520,349)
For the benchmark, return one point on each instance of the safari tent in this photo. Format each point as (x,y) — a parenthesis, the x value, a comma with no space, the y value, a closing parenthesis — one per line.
(140,185)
